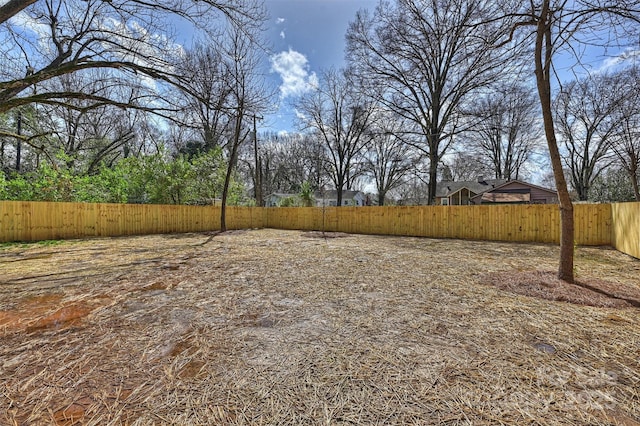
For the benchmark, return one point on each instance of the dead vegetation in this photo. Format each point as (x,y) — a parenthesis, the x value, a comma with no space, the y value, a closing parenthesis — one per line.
(285,327)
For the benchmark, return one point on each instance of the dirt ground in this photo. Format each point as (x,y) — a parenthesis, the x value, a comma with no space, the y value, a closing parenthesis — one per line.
(286,327)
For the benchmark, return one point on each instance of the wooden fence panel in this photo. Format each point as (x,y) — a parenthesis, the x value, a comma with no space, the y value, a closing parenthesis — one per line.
(33,221)
(593,224)
(596,224)
(288,218)
(626,228)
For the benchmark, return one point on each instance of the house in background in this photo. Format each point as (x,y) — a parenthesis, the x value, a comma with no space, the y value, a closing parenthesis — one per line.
(349,198)
(322,198)
(452,193)
(276,199)
(517,192)
(492,191)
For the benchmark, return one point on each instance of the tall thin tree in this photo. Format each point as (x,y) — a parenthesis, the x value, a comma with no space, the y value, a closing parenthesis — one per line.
(558,26)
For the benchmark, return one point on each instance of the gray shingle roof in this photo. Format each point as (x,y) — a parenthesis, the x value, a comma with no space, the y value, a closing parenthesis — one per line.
(446,188)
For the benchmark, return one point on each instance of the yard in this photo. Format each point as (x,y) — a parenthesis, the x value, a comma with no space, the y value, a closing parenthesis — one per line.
(287,327)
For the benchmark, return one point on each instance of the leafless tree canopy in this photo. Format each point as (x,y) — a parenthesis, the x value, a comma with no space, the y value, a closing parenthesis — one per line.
(340,117)
(424,59)
(626,137)
(286,162)
(504,131)
(132,39)
(586,125)
(389,159)
(463,165)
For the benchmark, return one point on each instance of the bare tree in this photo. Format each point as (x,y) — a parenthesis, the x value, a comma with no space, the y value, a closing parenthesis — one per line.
(388,159)
(259,164)
(463,166)
(565,25)
(413,189)
(339,116)
(287,161)
(626,138)
(206,103)
(424,59)
(248,96)
(505,129)
(584,115)
(130,38)
(87,136)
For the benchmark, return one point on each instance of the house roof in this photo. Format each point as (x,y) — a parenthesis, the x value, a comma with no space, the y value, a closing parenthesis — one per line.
(498,187)
(447,188)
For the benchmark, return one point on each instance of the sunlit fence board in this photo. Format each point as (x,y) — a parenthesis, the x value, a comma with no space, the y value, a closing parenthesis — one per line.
(626,228)
(595,224)
(540,223)
(32,221)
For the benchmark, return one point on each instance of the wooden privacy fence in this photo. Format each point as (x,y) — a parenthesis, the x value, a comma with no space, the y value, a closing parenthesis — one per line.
(595,224)
(625,235)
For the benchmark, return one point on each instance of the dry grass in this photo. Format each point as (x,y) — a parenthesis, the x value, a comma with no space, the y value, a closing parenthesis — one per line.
(284,327)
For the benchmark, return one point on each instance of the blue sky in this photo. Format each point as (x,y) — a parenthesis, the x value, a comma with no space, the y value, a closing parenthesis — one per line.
(306,36)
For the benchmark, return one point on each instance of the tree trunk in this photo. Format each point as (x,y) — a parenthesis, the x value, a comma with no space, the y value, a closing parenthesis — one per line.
(636,188)
(542,70)
(633,175)
(19,142)
(257,184)
(227,178)
(381,197)
(225,191)
(12,8)
(433,175)
(339,195)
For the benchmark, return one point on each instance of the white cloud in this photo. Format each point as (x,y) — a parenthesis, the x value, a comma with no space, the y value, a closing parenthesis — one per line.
(280,20)
(23,20)
(293,68)
(300,116)
(282,35)
(624,58)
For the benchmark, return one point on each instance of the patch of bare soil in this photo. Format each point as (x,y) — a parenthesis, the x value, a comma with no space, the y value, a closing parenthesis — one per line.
(286,327)
(585,291)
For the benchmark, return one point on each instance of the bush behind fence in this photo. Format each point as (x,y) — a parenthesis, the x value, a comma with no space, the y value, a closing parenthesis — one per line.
(617,225)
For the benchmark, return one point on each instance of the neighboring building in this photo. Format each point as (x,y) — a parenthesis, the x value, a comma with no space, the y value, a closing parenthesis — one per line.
(349,198)
(517,192)
(322,198)
(451,193)
(493,191)
(275,199)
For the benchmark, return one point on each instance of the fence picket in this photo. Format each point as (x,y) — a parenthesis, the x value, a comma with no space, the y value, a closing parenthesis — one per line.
(595,224)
